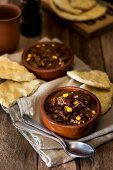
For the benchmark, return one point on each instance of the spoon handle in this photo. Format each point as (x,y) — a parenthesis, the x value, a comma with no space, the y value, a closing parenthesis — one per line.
(28,128)
(74,153)
(37,125)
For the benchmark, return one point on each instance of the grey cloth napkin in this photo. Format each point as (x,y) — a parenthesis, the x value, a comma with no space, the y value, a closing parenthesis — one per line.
(49,150)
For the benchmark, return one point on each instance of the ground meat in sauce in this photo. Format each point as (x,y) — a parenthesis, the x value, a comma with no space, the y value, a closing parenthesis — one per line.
(71,108)
(47,55)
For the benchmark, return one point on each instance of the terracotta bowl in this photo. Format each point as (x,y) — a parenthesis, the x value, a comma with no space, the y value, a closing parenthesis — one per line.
(69,129)
(52,60)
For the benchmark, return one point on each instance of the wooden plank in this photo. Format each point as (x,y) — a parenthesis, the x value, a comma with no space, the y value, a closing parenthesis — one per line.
(73,165)
(54,27)
(102,160)
(91,53)
(88,51)
(74,41)
(107,48)
(15,152)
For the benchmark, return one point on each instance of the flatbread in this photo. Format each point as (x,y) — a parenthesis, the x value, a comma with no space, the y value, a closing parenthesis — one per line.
(65,6)
(94,78)
(83,4)
(105,96)
(10,91)
(13,71)
(92,14)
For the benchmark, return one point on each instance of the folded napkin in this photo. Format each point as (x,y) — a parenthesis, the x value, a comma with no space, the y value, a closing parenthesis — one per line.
(49,150)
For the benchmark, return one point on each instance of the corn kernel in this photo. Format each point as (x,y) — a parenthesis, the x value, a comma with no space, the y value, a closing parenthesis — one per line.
(28,59)
(93,112)
(69,109)
(54,57)
(29,56)
(78,118)
(75,102)
(65,95)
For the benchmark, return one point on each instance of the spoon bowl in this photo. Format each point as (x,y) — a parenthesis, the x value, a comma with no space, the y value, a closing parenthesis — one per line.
(80,148)
(72,148)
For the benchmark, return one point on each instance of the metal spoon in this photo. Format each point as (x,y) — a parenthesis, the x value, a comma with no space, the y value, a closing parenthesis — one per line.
(72,148)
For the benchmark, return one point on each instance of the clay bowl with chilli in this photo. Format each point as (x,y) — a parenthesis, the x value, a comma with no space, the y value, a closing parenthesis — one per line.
(70,111)
(48,60)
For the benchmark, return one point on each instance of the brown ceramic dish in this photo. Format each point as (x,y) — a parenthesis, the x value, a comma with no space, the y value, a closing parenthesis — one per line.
(64,111)
(48,60)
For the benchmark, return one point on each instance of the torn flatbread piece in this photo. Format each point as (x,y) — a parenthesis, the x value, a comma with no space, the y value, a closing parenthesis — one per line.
(65,6)
(94,78)
(10,91)
(13,71)
(83,4)
(105,97)
(94,13)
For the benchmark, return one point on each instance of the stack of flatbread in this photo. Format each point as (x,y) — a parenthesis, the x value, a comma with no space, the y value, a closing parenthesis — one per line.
(16,82)
(78,10)
(98,83)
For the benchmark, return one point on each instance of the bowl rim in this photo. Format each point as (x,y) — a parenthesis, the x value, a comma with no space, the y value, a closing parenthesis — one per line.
(71,58)
(14,7)
(43,112)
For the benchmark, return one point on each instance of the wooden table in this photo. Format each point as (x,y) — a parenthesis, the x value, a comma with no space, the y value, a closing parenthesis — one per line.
(15,152)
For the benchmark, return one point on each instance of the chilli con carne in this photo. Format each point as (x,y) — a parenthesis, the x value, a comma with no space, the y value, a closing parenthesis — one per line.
(47,55)
(71,108)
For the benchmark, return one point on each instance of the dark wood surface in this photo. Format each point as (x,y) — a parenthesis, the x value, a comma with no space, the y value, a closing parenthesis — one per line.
(15,152)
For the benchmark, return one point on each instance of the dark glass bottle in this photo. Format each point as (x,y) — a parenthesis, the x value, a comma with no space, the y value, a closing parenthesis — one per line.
(111,1)
(31,18)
